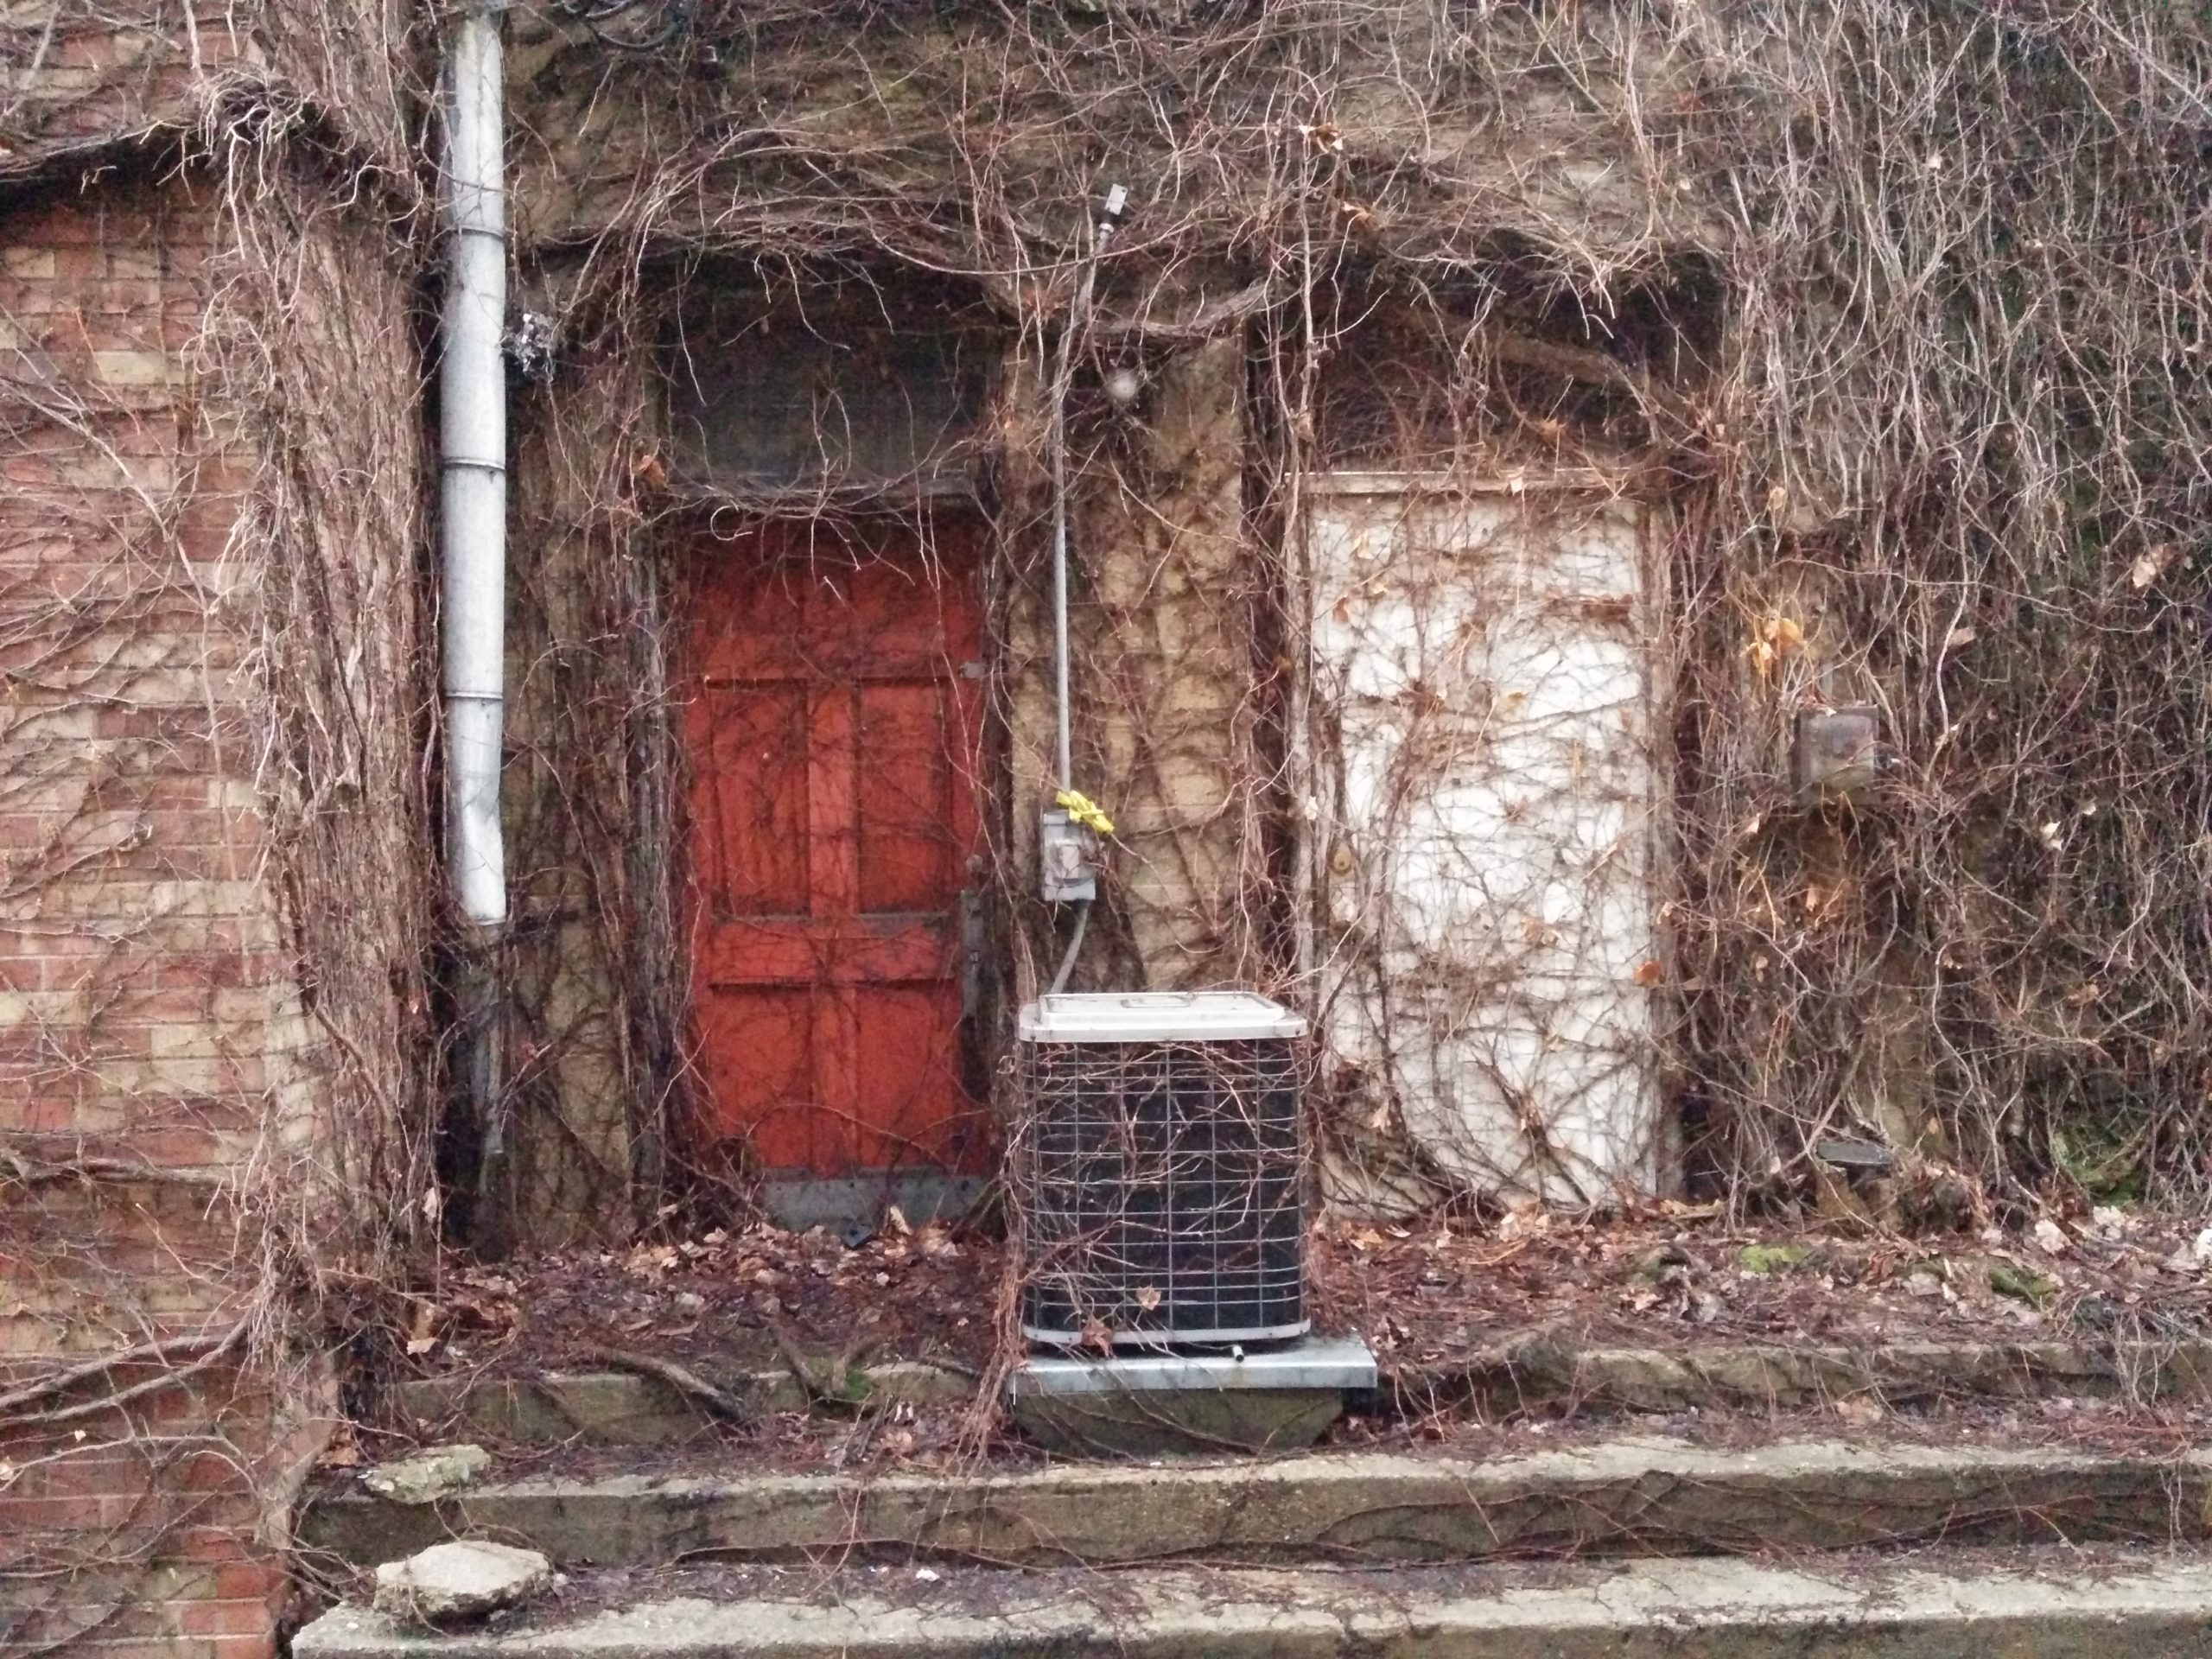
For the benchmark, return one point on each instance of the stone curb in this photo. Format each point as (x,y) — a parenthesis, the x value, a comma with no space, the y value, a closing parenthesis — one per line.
(1539,1371)
(1534,1373)
(2146,1608)
(1636,1497)
(620,1408)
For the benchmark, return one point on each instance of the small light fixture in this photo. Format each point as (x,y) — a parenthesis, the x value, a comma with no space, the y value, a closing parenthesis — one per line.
(1123,383)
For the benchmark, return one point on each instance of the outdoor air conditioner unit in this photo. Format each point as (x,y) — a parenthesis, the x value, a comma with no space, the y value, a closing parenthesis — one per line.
(1158,1169)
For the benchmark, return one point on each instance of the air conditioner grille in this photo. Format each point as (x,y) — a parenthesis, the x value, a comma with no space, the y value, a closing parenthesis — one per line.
(1160,1190)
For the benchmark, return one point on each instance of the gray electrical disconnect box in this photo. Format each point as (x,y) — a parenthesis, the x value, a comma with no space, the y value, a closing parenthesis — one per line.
(1067,858)
(1839,753)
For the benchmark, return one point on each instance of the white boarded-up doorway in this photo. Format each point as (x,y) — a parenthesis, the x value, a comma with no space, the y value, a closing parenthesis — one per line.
(1482,838)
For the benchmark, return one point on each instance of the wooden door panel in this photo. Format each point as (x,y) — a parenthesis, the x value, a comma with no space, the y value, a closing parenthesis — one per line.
(903,1037)
(833,731)
(832,804)
(755,741)
(757,589)
(756,1048)
(892,625)
(852,951)
(908,859)
(803,602)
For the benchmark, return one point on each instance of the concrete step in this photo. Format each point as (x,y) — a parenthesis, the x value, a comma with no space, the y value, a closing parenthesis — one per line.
(2053,1604)
(1538,1372)
(1626,1496)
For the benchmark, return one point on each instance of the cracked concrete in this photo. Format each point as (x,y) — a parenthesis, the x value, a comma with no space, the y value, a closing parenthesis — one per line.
(618,1408)
(2148,1607)
(1628,1496)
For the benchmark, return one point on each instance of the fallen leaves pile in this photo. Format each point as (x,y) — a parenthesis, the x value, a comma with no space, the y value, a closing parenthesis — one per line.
(907,1292)
(1422,1294)
(1676,1274)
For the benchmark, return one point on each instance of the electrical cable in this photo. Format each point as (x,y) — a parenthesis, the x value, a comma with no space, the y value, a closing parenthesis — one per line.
(1075,946)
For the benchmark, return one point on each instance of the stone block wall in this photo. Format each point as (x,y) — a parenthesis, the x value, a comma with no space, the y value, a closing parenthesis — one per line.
(1167,597)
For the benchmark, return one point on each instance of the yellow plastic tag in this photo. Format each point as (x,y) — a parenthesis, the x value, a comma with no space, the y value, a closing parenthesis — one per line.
(1085,811)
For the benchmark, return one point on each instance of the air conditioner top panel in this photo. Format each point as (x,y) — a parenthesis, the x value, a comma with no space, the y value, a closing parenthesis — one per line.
(1156,1017)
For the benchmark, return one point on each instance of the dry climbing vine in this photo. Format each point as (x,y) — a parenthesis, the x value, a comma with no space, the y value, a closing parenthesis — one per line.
(1895,311)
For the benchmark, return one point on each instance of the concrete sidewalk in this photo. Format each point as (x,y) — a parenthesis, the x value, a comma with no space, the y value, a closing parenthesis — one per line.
(2052,1605)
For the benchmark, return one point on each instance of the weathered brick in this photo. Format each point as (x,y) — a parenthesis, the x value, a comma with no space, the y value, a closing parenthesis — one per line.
(126,367)
(31,263)
(225,1618)
(145,1007)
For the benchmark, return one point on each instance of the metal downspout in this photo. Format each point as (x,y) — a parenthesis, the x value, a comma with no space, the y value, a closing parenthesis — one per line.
(472,523)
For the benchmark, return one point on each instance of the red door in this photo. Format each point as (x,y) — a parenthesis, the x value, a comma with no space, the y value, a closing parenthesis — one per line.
(833,736)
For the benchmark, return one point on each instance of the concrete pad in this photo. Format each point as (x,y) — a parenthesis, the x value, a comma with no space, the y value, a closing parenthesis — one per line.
(1153,1424)
(1622,1497)
(1278,1398)
(2151,1606)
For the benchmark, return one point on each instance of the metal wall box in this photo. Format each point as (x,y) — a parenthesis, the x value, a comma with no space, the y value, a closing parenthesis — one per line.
(1838,754)
(1067,858)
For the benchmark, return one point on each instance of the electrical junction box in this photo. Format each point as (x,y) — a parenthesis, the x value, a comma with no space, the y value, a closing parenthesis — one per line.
(1067,856)
(1839,753)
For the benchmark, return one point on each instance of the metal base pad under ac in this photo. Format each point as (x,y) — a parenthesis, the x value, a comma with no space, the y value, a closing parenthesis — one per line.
(1051,1336)
(1268,1400)
(1342,1363)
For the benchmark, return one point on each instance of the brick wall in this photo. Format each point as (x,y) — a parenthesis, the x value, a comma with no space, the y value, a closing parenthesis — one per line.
(172,1103)
(161,1531)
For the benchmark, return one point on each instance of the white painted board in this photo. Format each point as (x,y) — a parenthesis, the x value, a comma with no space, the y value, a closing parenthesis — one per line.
(1481,834)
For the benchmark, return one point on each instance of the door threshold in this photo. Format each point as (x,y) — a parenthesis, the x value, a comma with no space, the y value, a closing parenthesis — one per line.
(849,1203)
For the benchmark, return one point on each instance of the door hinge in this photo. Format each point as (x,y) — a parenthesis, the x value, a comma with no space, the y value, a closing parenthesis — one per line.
(974,940)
